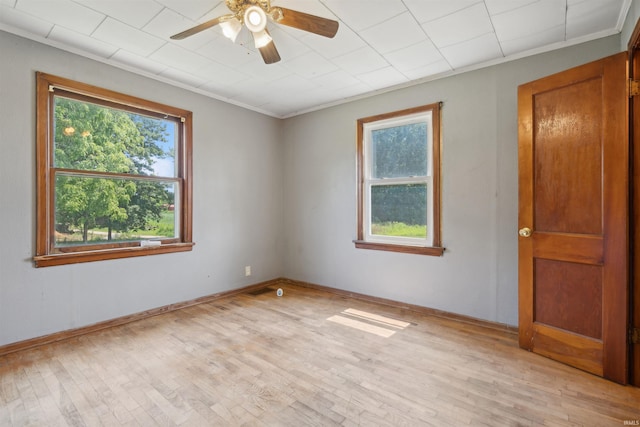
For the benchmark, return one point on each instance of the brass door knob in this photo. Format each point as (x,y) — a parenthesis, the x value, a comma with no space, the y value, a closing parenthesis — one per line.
(525,232)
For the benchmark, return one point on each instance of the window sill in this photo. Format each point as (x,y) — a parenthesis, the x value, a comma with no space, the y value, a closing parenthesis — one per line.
(105,254)
(417,250)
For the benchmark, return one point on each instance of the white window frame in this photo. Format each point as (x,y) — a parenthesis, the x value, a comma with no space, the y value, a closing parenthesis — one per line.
(370,181)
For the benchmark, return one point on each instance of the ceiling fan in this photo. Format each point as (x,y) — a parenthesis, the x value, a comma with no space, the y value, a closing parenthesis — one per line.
(253,14)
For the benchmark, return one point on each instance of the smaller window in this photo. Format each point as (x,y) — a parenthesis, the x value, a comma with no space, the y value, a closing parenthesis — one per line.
(399,181)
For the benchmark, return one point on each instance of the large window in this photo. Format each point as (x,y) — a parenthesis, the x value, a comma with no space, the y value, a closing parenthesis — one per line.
(399,181)
(114,175)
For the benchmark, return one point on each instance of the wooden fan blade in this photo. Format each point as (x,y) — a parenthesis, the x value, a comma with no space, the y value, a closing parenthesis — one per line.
(269,53)
(201,27)
(312,23)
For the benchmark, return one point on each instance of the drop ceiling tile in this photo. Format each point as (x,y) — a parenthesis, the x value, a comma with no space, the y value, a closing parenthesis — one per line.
(167,23)
(543,38)
(395,33)
(361,14)
(291,85)
(82,42)
(384,77)
(224,51)
(127,37)
(430,70)
(202,38)
(351,91)
(266,73)
(182,77)
(345,41)
(528,20)
(336,80)
(463,25)
(475,51)
(24,21)
(220,90)
(426,11)
(591,16)
(361,61)
(221,73)
(288,46)
(192,9)
(311,65)
(63,12)
(312,7)
(496,7)
(136,13)
(134,61)
(219,10)
(252,92)
(301,101)
(176,57)
(318,96)
(288,105)
(414,56)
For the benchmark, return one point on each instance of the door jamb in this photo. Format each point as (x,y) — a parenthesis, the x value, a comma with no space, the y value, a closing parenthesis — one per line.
(633,48)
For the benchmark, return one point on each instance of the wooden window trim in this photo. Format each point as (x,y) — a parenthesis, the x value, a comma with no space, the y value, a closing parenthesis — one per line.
(436,248)
(44,256)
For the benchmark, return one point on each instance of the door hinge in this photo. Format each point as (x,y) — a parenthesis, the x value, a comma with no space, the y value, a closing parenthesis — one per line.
(634,336)
(634,88)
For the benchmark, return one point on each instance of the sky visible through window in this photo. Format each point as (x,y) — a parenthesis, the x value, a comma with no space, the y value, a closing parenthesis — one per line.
(165,166)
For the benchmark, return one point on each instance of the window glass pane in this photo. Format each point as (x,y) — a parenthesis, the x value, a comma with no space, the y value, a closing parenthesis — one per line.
(97,138)
(107,210)
(399,210)
(399,151)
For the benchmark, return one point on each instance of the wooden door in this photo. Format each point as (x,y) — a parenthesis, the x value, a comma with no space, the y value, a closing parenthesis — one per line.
(573,216)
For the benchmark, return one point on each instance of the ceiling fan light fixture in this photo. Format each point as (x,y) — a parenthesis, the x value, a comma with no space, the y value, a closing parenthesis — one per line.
(261,39)
(231,28)
(255,19)
(255,14)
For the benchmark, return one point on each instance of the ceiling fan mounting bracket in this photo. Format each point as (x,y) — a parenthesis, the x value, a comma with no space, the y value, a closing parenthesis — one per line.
(238,7)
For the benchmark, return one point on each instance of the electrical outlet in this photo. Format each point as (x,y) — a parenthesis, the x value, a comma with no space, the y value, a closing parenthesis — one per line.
(247,270)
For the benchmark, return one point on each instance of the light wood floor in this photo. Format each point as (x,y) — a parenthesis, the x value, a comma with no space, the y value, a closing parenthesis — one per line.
(264,360)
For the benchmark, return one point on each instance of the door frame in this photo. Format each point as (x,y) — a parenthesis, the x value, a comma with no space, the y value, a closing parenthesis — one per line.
(633,48)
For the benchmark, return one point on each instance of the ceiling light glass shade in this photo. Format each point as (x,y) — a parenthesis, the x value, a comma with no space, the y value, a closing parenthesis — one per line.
(231,28)
(261,39)
(255,19)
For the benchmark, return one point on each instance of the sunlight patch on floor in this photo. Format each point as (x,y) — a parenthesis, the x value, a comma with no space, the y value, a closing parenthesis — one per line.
(368,322)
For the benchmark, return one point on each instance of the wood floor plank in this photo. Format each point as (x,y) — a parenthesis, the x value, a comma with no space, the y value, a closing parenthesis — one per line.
(267,360)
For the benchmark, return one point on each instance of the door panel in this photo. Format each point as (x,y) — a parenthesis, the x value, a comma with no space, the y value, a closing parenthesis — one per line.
(567,159)
(565,291)
(573,183)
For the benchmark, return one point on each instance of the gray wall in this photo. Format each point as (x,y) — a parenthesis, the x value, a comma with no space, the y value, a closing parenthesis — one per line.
(477,276)
(629,24)
(237,217)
